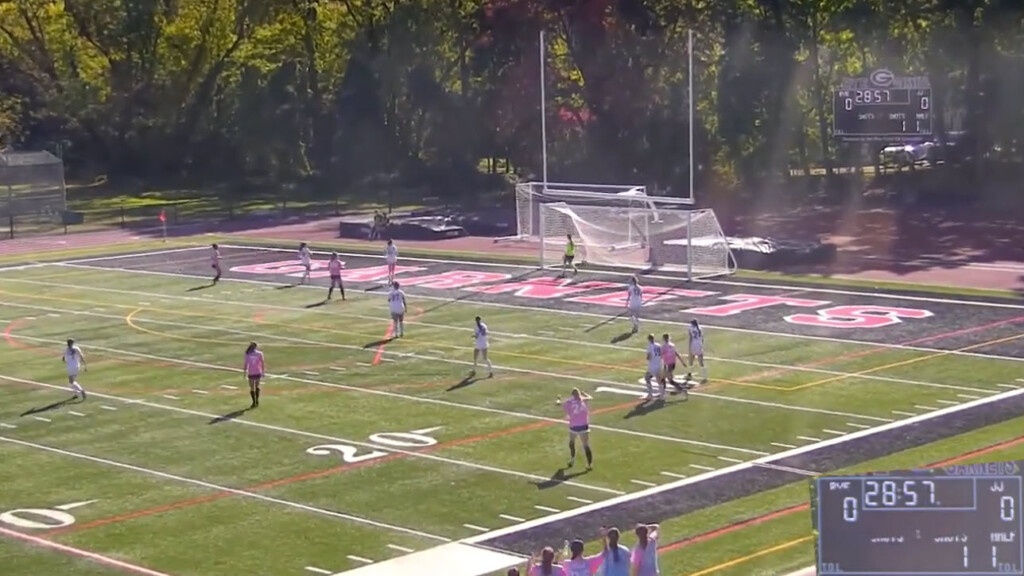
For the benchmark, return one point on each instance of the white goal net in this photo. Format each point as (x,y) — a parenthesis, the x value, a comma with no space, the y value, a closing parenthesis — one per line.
(643,237)
(532,195)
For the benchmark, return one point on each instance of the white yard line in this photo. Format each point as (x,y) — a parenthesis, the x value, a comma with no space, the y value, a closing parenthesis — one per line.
(552,375)
(41,419)
(902,413)
(360,559)
(511,518)
(809,438)
(316,570)
(833,432)
(783,445)
(73,413)
(580,500)
(968,396)
(602,317)
(767,460)
(71,551)
(136,255)
(673,475)
(546,508)
(475,527)
(1011,386)
(410,453)
(948,402)
(699,467)
(643,483)
(401,548)
(861,426)
(727,459)
(8,426)
(768,365)
(211,486)
(922,407)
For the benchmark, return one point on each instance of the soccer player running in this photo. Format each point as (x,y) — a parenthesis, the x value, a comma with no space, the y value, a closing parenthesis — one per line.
(74,361)
(391,259)
(570,256)
(254,368)
(645,553)
(654,366)
(306,258)
(334,268)
(669,355)
(634,301)
(480,346)
(577,408)
(398,306)
(697,351)
(215,262)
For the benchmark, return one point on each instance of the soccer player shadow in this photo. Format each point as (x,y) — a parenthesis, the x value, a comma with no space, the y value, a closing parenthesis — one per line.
(468,295)
(229,416)
(646,407)
(202,287)
(622,337)
(377,343)
(48,407)
(559,477)
(466,382)
(317,304)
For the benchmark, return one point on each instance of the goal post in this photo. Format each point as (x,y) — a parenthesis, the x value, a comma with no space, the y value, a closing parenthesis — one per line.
(645,238)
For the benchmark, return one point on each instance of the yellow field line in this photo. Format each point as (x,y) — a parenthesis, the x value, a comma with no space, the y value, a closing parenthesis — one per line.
(906,362)
(749,557)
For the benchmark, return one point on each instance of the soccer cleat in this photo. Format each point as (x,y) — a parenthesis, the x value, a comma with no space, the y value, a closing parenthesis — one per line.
(571,463)
(84,395)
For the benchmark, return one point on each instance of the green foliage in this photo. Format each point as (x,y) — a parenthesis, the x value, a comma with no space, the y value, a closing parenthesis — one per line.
(340,90)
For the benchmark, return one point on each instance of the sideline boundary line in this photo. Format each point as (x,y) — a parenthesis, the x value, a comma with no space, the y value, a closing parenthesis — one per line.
(738,467)
(775,368)
(72,551)
(550,310)
(326,344)
(390,449)
(211,486)
(672,278)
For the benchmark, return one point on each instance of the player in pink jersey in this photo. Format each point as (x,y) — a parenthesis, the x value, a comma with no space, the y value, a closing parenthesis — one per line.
(254,370)
(669,355)
(580,565)
(215,263)
(334,268)
(545,566)
(577,408)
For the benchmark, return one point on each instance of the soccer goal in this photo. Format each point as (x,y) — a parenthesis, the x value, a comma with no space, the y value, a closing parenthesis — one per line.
(641,237)
(531,196)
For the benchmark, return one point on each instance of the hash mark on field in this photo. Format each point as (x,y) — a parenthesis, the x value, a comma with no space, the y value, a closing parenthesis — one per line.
(1020,379)
(200,391)
(512,518)
(833,432)
(1007,386)
(338,368)
(41,419)
(926,408)
(30,317)
(727,459)
(401,548)
(809,438)
(673,475)
(53,315)
(386,359)
(73,413)
(968,396)
(545,332)
(170,396)
(316,570)
(360,559)
(365,364)
(6,425)
(105,407)
(580,500)
(781,445)
(902,413)
(145,304)
(643,483)
(861,426)
(546,508)
(699,467)
(477,528)
(228,387)
(948,402)
(310,373)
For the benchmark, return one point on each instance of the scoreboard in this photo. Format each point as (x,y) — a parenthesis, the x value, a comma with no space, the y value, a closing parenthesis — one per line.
(953,521)
(882,107)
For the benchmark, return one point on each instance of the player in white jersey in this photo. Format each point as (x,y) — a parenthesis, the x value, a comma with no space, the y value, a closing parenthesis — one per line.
(215,263)
(669,356)
(74,361)
(634,301)
(654,365)
(480,345)
(306,258)
(391,259)
(697,351)
(398,306)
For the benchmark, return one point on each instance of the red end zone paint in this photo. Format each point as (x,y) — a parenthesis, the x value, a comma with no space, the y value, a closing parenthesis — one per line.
(98,558)
(712,534)
(743,302)
(857,316)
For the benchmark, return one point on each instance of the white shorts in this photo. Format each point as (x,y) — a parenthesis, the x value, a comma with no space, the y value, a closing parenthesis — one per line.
(390,261)
(696,349)
(73,373)
(654,370)
(481,348)
(397,312)
(635,309)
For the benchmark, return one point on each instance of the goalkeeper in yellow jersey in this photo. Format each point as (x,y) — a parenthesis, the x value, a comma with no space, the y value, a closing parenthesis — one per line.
(570,256)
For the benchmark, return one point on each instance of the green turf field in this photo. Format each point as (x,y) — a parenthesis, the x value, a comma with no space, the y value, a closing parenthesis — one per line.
(365,449)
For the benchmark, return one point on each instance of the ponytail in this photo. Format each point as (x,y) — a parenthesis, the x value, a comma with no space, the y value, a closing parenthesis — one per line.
(613,542)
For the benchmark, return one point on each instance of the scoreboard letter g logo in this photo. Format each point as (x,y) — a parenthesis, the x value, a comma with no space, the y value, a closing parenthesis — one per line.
(882,78)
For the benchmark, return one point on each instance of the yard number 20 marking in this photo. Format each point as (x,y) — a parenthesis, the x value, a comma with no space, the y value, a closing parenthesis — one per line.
(350,454)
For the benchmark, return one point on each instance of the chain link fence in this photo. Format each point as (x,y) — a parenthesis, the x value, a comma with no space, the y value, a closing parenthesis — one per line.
(33,197)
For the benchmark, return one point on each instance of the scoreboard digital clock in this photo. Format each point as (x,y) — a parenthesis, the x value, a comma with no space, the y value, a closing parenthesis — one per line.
(882,107)
(954,521)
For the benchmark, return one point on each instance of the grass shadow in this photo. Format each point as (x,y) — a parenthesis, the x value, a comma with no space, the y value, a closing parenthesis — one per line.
(229,416)
(48,407)
(558,478)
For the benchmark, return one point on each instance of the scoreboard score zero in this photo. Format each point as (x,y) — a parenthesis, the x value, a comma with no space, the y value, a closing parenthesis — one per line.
(882,107)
